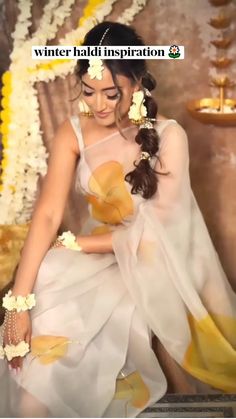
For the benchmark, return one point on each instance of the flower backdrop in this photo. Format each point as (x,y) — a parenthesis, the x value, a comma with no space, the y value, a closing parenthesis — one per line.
(24,153)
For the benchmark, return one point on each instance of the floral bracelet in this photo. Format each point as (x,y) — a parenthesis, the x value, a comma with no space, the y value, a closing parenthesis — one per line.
(67,239)
(12,351)
(19,303)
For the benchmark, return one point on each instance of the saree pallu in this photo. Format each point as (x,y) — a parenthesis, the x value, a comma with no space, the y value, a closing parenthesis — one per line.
(91,353)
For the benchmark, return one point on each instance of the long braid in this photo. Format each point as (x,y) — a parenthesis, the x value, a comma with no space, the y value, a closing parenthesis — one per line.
(143,178)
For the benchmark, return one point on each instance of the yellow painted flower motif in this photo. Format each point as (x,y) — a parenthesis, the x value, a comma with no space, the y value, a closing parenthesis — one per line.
(110,202)
(211,355)
(132,387)
(49,349)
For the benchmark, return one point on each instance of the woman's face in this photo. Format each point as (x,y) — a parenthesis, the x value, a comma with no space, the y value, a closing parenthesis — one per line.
(102,96)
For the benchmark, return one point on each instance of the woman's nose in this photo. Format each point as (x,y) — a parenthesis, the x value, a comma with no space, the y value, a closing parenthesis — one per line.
(100,104)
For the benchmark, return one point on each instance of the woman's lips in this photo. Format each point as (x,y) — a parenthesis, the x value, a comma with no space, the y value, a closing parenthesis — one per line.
(102,114)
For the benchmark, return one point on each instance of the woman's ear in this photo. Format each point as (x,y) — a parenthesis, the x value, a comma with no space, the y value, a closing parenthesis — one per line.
(138,86)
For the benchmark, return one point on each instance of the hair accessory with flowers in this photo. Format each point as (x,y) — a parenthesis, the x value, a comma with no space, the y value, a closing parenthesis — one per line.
(145,156)
(11,302)
(147,125)
(138,110)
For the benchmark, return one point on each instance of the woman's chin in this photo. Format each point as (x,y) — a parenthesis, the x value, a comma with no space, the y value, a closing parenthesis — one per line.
(105,122)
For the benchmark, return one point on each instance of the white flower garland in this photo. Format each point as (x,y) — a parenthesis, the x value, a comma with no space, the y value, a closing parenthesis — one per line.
(26,153)
(128,15)
(23,23)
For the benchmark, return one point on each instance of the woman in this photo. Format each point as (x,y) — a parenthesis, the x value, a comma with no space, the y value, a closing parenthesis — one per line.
(142,265)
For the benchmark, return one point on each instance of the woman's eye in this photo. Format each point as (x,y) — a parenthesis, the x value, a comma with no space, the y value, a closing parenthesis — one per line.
(87,93)
(113,97)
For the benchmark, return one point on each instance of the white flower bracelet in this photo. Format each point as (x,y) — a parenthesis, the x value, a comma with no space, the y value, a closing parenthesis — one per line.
(67,239)
(14,304)
(18,303)
(12,351)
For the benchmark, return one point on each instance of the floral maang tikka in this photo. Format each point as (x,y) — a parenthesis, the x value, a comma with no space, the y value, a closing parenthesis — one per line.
(96,66)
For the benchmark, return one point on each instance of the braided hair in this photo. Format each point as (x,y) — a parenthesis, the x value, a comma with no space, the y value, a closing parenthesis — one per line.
(143,178)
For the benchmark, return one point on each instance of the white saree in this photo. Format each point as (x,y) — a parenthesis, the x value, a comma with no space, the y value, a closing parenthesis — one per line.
(91,353)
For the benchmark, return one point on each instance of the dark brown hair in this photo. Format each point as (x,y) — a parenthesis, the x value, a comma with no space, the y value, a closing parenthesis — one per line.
(143,178)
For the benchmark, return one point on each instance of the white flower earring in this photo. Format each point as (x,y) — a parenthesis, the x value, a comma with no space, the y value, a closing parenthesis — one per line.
(138,110)
(84,108)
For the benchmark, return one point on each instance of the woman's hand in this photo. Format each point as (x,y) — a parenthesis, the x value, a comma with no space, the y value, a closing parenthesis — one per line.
(96,243)
(17,327)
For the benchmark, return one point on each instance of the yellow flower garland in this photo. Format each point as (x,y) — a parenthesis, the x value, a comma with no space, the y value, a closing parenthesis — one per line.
(5,117)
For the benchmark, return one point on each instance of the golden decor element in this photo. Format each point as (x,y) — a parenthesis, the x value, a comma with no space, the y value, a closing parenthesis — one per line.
(220,2)
(220,22)
(217,111)
(221,62)
(222,81)
(222,43)
(207,111)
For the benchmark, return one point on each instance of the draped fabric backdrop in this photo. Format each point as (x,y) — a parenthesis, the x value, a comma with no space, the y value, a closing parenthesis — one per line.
(212,149)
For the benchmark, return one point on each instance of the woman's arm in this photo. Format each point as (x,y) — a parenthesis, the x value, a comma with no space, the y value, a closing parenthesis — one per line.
(49,208)
(97,243)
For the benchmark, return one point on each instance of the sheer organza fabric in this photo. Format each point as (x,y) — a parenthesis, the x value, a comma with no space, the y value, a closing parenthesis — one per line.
(91,352)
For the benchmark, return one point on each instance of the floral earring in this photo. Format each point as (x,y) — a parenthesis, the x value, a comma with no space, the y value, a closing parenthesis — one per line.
(138,110)
(84,108)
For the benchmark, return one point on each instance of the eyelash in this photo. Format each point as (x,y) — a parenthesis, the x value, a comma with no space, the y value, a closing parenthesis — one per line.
(108,97)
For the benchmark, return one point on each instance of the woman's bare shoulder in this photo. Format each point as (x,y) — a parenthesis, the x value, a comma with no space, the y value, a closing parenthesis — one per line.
(66,132)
